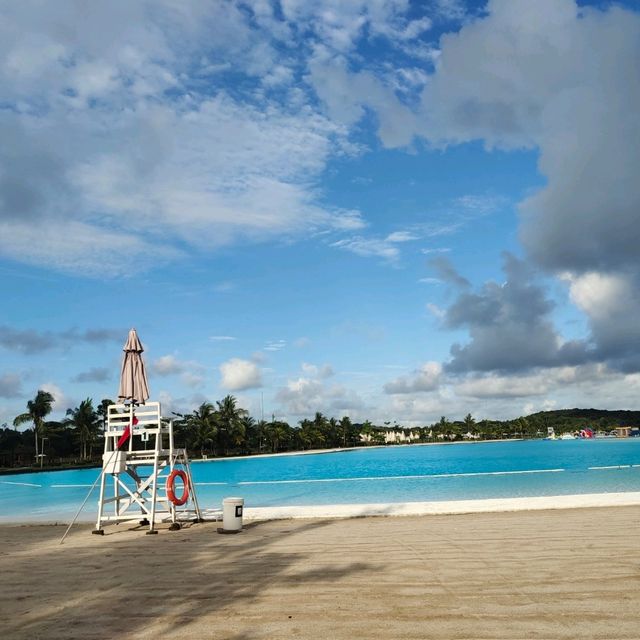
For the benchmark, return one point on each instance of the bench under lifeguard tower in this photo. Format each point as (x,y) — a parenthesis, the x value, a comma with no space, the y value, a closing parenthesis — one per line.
(143,470)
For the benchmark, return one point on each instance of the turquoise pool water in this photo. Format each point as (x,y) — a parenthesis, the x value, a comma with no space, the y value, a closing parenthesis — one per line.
(377,475)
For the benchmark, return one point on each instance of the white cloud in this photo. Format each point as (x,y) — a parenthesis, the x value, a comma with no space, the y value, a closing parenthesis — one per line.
(118,174)
(402,236)
(323,371)
(515,79)
(167,365)
(495,396)
(492,386)
(62,402)
(238,375)
(369,247)
(275,345)
(600,294)
(348,221)
(304,396)
(427,252)
(222,338)
(427,378)
(611,302)
(339,25)
(192,373)
(347,94)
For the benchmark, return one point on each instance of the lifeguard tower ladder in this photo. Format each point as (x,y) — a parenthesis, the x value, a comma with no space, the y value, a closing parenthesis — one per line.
(139,470)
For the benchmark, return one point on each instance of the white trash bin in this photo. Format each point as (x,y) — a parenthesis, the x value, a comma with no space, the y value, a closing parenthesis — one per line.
(232,514)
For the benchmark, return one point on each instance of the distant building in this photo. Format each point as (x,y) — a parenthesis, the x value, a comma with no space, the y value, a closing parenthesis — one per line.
(627,432)
(391,436)
(397,437)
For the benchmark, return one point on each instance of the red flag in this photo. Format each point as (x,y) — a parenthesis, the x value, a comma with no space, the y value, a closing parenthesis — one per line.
(125,435)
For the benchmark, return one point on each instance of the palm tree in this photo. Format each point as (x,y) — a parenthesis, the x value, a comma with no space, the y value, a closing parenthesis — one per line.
(305,433)
(37,410)
(346,429)
(367,432)
(103,410)
(230,426)
(469,423)
(333,433)
(201,426)
(250,432)
(277,432)
(86,421)
(261,430)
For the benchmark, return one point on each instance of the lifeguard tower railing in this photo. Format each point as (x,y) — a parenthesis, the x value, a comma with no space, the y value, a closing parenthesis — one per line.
(139,468)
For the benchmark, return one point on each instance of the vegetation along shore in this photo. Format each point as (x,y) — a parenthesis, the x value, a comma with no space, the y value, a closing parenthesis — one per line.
(222,428)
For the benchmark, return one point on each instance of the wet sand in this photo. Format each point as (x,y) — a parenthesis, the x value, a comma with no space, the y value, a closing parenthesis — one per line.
(571,573)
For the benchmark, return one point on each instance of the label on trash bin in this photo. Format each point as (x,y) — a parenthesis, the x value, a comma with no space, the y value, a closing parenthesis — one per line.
(239,511)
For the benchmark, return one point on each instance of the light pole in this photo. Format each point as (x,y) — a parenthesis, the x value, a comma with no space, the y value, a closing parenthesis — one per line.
(42,454)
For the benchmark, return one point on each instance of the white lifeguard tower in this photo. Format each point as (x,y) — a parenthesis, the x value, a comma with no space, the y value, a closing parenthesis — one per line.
(143,469)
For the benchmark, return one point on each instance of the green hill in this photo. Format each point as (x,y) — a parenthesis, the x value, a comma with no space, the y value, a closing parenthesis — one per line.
(571,419)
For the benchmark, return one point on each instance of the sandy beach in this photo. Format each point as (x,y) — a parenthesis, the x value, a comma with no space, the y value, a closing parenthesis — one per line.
(570,573)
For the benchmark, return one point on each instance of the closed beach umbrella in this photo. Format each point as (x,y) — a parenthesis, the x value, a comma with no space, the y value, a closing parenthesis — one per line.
(133,379)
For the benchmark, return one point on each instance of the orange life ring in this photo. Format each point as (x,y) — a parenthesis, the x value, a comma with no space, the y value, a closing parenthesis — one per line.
(177,473)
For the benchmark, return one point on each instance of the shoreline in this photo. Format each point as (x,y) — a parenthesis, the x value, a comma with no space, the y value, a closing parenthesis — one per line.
(448,507)
(389,509)
(22,470)
(309,452)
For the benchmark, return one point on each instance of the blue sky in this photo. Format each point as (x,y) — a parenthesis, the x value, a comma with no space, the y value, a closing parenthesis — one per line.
(390,210)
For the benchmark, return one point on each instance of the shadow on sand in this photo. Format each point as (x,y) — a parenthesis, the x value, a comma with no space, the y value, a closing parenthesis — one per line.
(126,583)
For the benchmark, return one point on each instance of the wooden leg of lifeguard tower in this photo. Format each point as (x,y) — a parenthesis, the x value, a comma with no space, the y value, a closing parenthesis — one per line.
(175,525)
(199,517)
(99,531)
(154,497)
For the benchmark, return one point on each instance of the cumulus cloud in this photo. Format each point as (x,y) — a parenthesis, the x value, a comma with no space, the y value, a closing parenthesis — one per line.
(611,303)
(524,75)
(238,374)
(61,401)
(323,371)
(304,396)
(191,373)
(510,326)
(537,80)
(495,386)
(427,378)
(503,396)
(168,365)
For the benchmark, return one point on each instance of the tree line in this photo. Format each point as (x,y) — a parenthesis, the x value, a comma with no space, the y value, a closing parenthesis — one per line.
(222,428)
